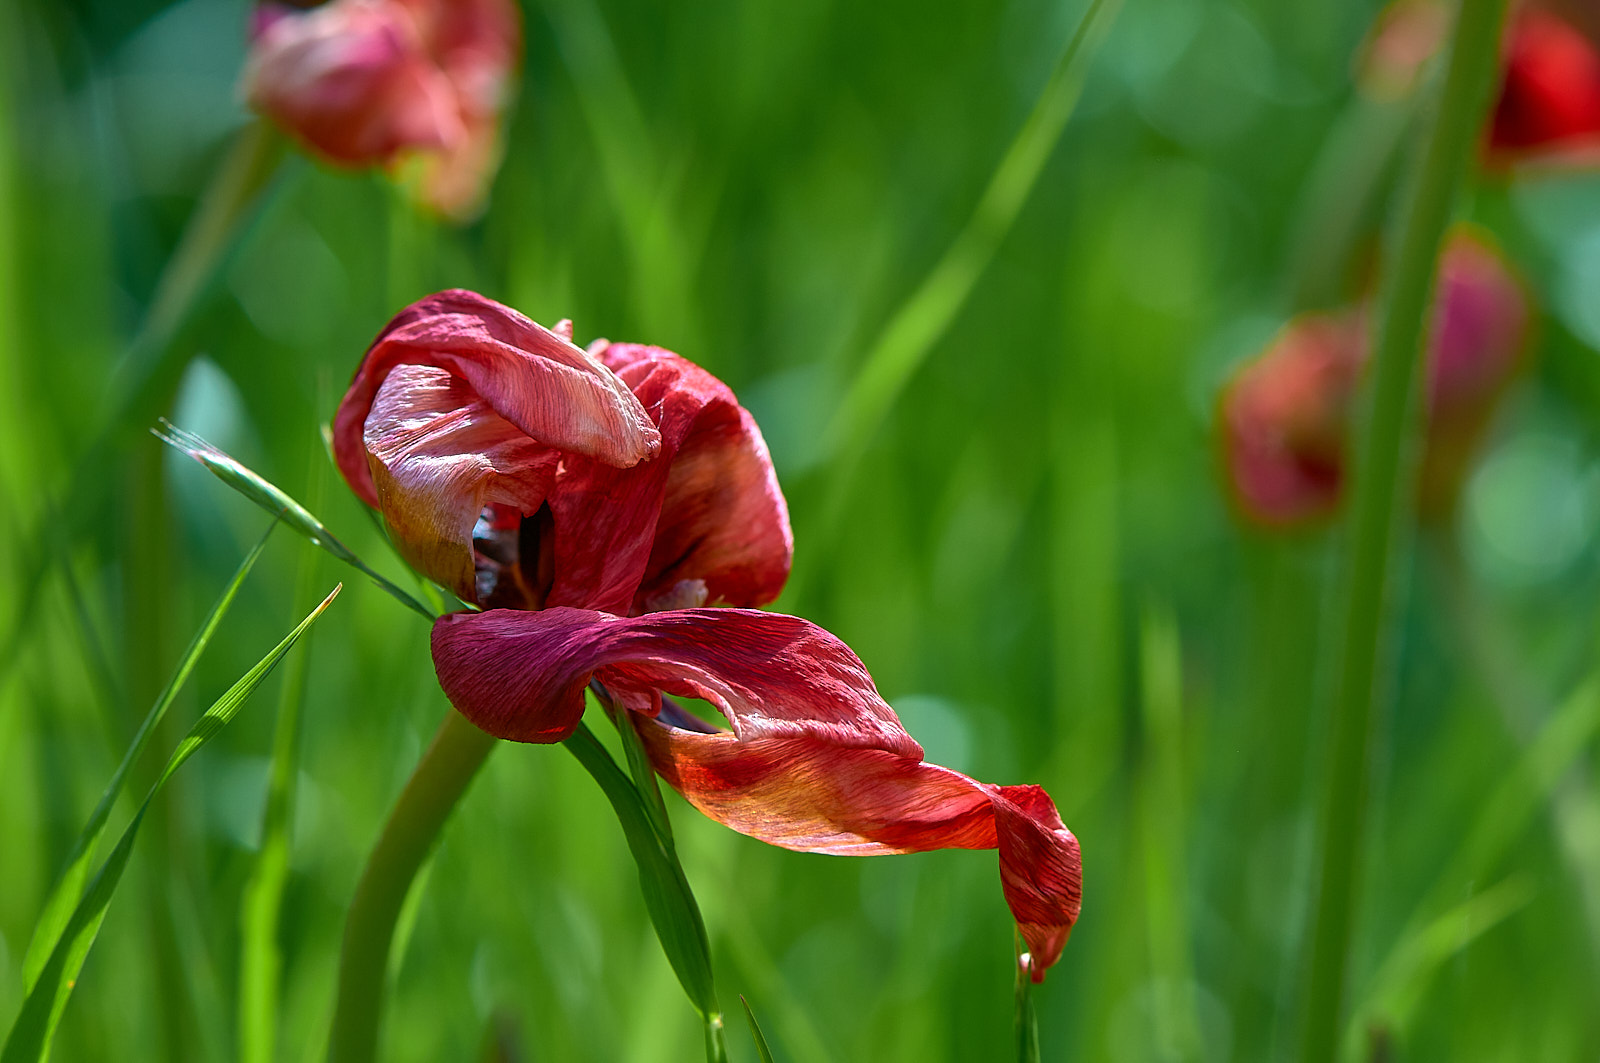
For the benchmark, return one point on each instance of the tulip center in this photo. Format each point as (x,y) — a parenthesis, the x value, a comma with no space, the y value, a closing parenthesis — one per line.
(513,557)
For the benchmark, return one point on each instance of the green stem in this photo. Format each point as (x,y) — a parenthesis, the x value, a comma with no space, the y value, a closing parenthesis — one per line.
(1026,1018)
(1380,489)
(438,783)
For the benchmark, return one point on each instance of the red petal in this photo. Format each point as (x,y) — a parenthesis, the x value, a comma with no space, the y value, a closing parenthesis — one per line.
(723,533)
(815,760)
(552,391)
(1551,95)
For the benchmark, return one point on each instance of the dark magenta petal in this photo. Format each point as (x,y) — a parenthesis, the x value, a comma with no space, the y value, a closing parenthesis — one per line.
(814,759)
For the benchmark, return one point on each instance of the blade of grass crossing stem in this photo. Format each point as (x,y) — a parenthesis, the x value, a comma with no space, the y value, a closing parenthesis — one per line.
(920,322)
(1374,526)
(762,1048)
(68,889)
(1026,1018)
(272,498)
(667,896)
(29,1040)
(644,776)
(260,960)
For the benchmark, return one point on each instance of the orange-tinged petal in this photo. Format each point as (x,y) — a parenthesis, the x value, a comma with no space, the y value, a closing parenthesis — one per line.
(814,759)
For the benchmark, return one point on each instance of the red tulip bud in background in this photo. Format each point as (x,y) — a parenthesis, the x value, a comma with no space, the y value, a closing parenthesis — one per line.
(1284,418)
(364,83)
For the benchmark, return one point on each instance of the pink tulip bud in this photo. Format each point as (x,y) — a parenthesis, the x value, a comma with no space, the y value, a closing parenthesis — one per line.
(364,83)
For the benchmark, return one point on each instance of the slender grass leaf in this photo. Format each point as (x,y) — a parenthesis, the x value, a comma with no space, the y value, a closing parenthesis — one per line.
(30,1037)
(924,317)
(272,498)
(762,1048)
(667,896)
(64,896)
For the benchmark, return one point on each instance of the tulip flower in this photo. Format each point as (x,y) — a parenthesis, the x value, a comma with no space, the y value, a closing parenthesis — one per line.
(607,495)
(1285,416)
(375,83)
(1548,108)
(1285,419)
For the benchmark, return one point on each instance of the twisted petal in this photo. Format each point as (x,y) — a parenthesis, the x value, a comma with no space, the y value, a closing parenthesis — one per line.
(814,759)
(722,535)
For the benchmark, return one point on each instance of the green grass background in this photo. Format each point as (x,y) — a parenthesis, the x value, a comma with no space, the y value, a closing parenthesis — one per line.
(1031,553)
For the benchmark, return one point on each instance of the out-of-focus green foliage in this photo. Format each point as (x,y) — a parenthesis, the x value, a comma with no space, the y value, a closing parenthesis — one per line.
(1033,555)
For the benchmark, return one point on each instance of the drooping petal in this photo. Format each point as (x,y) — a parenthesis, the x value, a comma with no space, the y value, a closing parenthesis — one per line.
(439,455)
(538,381)
(815,760)
(723,534)
(352,80)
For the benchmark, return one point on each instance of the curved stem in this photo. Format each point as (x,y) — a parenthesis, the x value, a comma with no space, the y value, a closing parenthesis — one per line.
(441,778)
(1380,488)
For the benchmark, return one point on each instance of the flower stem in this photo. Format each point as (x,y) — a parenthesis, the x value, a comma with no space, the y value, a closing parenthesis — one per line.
(441,778)
(1026,1018)
(1380,490)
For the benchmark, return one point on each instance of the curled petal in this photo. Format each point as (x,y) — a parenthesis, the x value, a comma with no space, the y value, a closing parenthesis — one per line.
(550,390)
(814,759)
(723,525)
(438,457)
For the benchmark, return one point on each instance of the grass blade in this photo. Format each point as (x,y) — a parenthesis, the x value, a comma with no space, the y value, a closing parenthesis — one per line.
(920,322)
(667,896)
(29,1040)
(272,498)
(64,896)
(762,1049)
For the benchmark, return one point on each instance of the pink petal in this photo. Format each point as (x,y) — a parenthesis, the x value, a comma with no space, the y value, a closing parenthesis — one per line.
(438,456)
(550,390)
(815,760)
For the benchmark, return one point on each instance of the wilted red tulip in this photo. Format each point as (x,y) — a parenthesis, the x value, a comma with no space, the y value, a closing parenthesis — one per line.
(1285,416)
(814,760)
(377,82)
(605,495)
